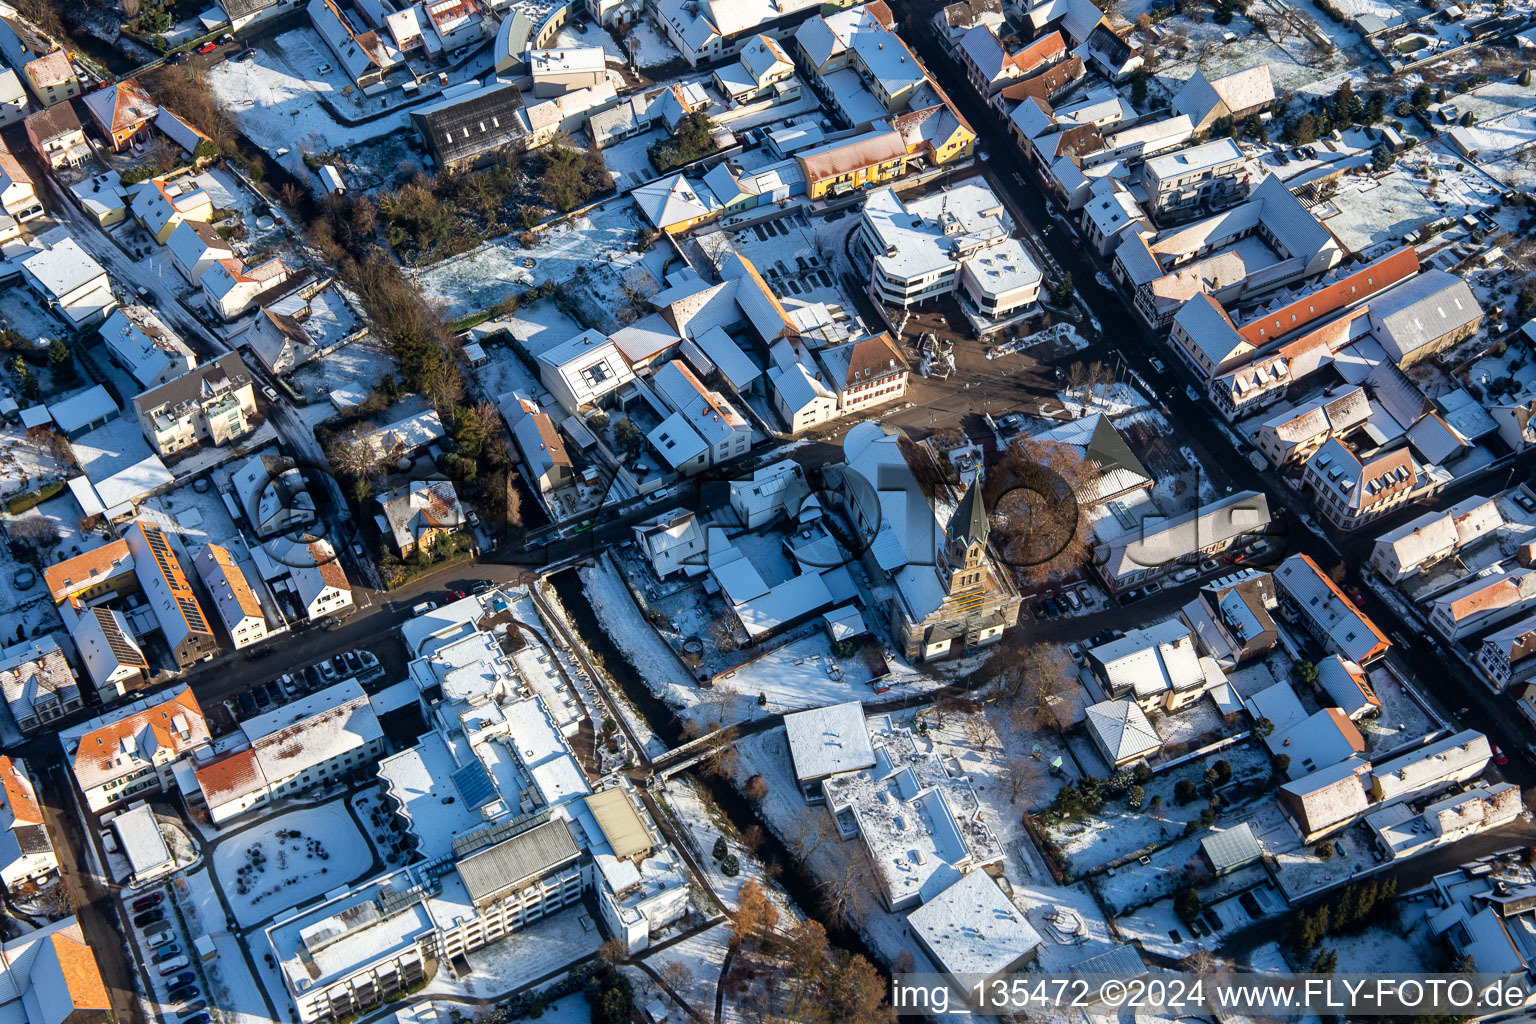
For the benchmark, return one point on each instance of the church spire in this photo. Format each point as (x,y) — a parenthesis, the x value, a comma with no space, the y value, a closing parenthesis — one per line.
(969,525)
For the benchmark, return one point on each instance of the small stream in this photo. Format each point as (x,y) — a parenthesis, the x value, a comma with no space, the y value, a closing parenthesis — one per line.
(794,877)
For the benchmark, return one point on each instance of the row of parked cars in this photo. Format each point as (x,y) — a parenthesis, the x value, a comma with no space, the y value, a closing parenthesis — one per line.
(170,963)
(1070,599)
(362,665)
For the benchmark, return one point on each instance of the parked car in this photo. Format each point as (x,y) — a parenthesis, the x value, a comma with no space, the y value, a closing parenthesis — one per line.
(1072,601)
(172,966)
(424,607)
(484,586)
(148,918)
(183,993)
(262,700)
(226,38)
(270,392)
(330,623)
(149,902)
(173,950)
(1430,641)
(1525,501)
(1499,757)
(154,940)
(183,1012)
(258,653)
(1185,575)
(186,979)
(1157,364)
(1189,389)
(1086,595)
(208,47)
(245,54)
(1154,588)
(247,703)
(456,595)
(177,57)
(473,517)
(1133,595)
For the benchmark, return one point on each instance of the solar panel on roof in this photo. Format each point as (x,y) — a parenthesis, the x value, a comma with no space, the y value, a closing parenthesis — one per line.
(473,784)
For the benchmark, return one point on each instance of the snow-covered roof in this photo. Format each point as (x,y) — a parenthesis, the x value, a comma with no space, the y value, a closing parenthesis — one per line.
(1239,91)
(34,672)
(1462,755)
(674,200)
(1324,738)
(123,740)
(1122,729)
(1347,686)
(1231,848)
(734,365)
(1195,160)
(63,268)
(1331,613)
(973,929)
(77,411)
(784,604)
(1151,660)
(829,740)
(139,837)
(1421,311)
(312,730)
(149,349)
(1161,542)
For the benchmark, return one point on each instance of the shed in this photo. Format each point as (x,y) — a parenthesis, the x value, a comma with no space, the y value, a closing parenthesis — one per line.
(1234,848)
(330,177)
(34,416)
(206,950)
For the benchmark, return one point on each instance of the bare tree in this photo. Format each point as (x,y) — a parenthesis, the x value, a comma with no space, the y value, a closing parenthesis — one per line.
(1039,526)
(1035,686)
(978,730)
(1025,780)
(678,976)
(353,452)
(848,890)
(36,532)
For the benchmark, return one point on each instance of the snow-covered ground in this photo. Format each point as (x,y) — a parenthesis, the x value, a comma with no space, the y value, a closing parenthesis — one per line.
(275,97)
(648,46)
(702,954)
(628,162)
(527,954)
(1115,399)
(504,372)
(345,377)
(538,327)
(600,242)
(235,990)
(647,652)
(322,850)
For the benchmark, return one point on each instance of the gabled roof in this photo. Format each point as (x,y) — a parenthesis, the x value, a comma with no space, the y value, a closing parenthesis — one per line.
(1123,728)
(1334,614)
(121,106)
(119,742)
(1422,310)
(1346,683)
(674,200)
(847,155)
(20,797)
(866,359)
(53,122)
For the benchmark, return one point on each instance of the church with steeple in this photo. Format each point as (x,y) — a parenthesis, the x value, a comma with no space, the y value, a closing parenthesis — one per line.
(923,545)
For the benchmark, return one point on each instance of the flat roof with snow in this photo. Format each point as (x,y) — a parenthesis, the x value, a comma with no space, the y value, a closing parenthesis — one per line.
(825,741)
(973,928)
(141,841)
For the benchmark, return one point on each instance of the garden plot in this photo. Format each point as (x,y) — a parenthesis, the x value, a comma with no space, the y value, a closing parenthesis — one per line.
(628,160)
(262,230)
(648,47)
(345,377)
(1369,212)
(1114,831)
(595,251)
(505,372)
(25,464)
(1299,869)
(1400,721)
(537,327)
(1294,64)
(270,868)
(1401,943)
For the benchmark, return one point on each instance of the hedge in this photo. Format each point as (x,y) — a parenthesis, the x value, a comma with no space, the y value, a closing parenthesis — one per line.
(30,499)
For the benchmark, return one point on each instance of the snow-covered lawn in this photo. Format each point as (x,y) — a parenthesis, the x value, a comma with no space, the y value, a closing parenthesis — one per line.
(345,377)
(1115,399)
(274,866)
(703,826)
(648,47)
(524,956)
(504,373)
(538,327)
(628,160)
(601,241)
(703,954)
(275,97)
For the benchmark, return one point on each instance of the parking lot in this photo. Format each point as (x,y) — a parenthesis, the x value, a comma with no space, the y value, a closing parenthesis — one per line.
(360,665)
(172,966)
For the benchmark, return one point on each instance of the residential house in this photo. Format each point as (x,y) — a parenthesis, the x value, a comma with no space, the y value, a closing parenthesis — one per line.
(1351,491)
(935,134)
(307,574)
(703,429)
(1505,655)
(1485,601)
(26,852)
(1428,539)
(274,497)
(13,97)
(237,604)
(420,515)
(52,977)
(944,597)
(131,751)
(42,63)
(1348,687)
(471,122)
(185,134)
(1157,666)
(968,954)
(711,30)
(140,343)
(799,397)
(105,571)
(1432,768)
(278,341)
(1294,435)
(1121,732)
(865,373)
(1111,215)
(69,279)
(57,137)
(213,404)
(176,609)
(1197,180)
(674,204)
(39,685)
(104,198)
(232,287)
(123,111)
(848,165)
(545,460)
(672,541)
(760,498)
(112,657)
(1324,611)
(1233,617)
(163,206)
(955,20)
(1235,97)
(196,248)
(761,65)
(364,55)
(18,198)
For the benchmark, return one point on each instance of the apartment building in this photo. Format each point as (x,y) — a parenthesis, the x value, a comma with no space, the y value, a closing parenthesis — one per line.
(1195,181)
(131,750)
(1294,435)
(1428,539)
(1505,656)
(170,596)
(1352,490)
(237,604)
(38,684)
(213,404)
